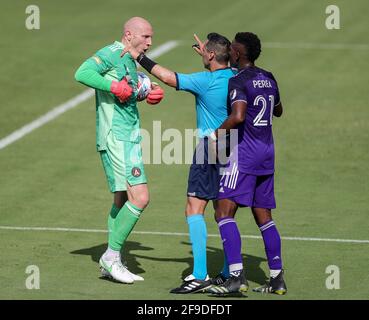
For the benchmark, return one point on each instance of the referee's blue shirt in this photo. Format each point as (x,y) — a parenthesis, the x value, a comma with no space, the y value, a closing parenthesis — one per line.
(210,90)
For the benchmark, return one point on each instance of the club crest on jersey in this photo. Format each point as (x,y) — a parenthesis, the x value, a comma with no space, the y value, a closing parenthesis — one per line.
(136,172)
(233,93)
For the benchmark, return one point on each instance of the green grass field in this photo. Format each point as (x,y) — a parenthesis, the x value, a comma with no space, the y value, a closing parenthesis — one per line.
(53,177)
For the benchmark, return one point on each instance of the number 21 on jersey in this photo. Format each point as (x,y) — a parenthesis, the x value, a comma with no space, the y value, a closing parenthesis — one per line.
(260,101)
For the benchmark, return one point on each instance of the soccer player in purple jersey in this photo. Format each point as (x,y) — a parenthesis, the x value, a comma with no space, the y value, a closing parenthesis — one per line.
(248,178)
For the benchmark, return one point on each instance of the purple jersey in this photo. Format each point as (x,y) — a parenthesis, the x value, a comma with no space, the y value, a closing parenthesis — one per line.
(259,90)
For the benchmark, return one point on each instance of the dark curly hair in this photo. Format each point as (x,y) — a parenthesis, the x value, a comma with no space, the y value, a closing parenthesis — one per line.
(252,44)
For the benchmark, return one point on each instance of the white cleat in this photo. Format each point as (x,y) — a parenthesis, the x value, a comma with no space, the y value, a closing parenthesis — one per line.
(106,274)
(135,277)
(115,269)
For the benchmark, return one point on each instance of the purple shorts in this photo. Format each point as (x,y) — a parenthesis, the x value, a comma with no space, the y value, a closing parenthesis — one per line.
(247,190)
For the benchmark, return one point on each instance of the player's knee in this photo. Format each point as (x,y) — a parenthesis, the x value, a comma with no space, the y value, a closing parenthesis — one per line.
(190,209)
(262,220)
(141,200)
(222,213)
(195,206)
(262,215)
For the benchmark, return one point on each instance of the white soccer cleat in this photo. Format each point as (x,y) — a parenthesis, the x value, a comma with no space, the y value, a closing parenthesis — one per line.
(135,277)
(116,270)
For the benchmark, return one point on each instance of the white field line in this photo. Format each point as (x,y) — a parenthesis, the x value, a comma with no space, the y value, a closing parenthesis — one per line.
(70,104)
(175,234)
(47,117)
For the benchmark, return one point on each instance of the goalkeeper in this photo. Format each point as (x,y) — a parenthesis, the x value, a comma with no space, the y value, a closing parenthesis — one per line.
(118,137)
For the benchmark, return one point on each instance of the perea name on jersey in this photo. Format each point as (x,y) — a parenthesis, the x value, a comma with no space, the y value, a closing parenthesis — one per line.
(261,84)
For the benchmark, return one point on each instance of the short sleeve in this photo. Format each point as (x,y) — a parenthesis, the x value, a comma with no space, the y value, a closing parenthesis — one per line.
(236,91)
(197,83)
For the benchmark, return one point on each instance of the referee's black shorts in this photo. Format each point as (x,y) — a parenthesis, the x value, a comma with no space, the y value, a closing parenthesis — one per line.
(204,178)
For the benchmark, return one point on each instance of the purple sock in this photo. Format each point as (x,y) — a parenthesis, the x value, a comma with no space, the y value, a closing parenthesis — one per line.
(272,243)
(231,243)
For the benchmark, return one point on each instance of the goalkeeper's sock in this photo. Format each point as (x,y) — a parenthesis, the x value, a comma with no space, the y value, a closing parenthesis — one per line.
(123,225)
(272,243)
(111,218)
(198,235)
(111,254)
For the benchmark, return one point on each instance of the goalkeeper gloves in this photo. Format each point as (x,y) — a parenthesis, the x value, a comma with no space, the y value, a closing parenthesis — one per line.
(155,95)
(122,90)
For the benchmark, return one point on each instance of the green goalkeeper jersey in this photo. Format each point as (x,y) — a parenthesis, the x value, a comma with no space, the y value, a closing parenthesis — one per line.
(98,72)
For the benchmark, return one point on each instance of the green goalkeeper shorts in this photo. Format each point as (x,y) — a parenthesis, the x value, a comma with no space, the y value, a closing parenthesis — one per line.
(122,162)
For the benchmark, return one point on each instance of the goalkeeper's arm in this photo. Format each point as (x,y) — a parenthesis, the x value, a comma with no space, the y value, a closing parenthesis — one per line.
(89,74)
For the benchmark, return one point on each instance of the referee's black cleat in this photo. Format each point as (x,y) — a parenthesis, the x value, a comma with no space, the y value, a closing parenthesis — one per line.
(274,285)
(192,285)
(233,285)
(218,280)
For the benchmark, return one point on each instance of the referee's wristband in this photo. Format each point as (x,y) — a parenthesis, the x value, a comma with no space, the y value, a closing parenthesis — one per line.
(213,136)
(145,62)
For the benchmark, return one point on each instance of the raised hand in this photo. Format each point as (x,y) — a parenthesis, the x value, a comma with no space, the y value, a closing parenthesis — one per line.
(129,48)
(200,45)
